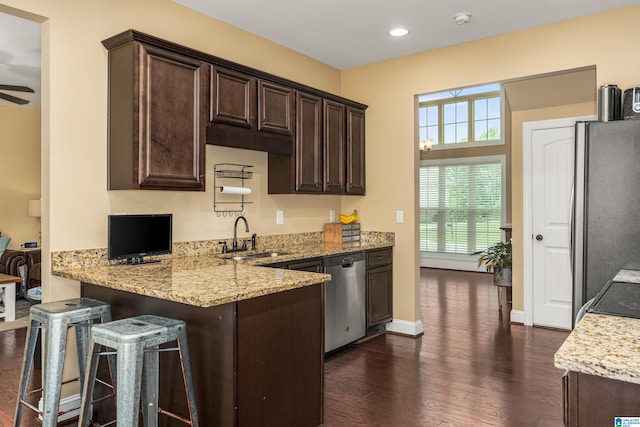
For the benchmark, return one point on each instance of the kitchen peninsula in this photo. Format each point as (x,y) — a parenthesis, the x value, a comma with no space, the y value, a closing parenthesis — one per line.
(255,333)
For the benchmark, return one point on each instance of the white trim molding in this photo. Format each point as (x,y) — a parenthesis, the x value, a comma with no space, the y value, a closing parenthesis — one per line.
(517,316)
(403,327)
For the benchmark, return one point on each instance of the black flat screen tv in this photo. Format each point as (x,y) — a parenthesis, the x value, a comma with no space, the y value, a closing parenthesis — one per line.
(132,237)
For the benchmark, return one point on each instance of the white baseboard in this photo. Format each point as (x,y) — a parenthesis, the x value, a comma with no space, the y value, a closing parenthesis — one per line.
(403,327)
(517,316)
(69,403)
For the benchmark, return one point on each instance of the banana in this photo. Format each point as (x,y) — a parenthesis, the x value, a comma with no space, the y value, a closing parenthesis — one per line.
(349,219)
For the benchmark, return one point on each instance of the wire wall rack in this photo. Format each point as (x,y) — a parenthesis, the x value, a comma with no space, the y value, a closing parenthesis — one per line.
(234,175)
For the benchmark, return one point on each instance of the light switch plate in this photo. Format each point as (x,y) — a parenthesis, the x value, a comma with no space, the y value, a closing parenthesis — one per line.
(332,216)
(279,217)
(399,217)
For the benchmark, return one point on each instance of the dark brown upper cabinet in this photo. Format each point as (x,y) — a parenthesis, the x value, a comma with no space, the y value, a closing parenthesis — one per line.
(158,103)
(328,150)
(334,147)
(166,101)
(355,151)
(251,113)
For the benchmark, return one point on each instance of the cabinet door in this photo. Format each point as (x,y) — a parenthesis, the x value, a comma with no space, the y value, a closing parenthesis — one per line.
(308,142)
(379,295)
(355,151)
(233,98)
(312,266)
(172,112)
(275,108)
(334,149)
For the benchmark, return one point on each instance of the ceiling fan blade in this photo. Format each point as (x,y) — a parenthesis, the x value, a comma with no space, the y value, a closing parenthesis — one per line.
(13,99)
(16,88)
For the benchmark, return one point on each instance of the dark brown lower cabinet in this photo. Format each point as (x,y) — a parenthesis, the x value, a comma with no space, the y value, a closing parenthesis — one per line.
(379,287)
(590,401)
(257,362)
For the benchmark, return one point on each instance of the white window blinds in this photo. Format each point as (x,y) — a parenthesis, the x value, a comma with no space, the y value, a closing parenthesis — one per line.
(460,206)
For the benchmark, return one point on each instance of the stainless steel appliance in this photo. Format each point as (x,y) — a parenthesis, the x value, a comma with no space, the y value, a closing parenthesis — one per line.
(619,299)
(609,103)
(606,205)
(631,103)
(344,306)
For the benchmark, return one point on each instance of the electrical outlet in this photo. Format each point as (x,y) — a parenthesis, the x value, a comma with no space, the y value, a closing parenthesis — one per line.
(332,216)
(399,217)
(279,217)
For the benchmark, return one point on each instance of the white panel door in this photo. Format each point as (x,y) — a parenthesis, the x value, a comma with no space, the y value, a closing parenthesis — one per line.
(552,150)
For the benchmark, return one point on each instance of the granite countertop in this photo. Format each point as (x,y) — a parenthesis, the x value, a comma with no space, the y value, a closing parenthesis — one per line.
(603,345)
(203,281)
(210,280)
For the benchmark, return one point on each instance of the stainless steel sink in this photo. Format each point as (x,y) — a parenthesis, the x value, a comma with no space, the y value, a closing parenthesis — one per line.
(254,255)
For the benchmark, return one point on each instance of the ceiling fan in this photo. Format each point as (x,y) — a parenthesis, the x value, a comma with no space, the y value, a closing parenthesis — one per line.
(14,99)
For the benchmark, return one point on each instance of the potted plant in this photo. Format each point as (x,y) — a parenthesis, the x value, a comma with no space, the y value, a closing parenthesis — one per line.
(497,258)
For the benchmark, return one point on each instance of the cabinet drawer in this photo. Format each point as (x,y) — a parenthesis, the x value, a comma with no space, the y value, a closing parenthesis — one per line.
(379,257)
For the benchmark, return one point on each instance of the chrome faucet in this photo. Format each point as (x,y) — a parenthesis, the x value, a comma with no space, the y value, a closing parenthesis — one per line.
(234,244)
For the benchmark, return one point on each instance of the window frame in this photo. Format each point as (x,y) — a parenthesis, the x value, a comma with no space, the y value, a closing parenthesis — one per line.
(462,261)
(471,119)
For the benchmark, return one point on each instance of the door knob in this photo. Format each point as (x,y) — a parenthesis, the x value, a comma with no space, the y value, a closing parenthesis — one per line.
(539,237)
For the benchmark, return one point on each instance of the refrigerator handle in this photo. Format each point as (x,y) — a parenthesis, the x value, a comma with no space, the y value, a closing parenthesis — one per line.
(571,220)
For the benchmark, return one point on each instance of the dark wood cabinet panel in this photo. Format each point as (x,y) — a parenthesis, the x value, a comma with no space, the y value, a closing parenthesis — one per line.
(591,401)
(250,113)
(275,108)
(257,362)
(211,337)
(280,359)
(308,144)
(334,148)
(355,151)
(310,265)
(233,98)
(157,116)
(379,287)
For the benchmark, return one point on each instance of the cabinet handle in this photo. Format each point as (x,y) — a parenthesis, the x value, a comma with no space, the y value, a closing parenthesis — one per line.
(380,257)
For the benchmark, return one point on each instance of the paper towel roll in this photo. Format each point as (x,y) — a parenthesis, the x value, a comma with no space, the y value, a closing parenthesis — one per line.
(235,190)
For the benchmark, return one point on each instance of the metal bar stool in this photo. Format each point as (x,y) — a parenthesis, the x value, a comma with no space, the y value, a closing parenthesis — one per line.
(56,318)
(136,342)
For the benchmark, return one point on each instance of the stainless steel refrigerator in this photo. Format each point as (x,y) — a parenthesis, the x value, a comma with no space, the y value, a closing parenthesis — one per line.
(606,205)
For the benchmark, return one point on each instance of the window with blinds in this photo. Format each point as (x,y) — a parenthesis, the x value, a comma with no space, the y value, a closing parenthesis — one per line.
(460,205)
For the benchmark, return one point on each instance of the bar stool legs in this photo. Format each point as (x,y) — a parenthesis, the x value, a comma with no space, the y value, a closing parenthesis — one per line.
(56,318)
(136,342)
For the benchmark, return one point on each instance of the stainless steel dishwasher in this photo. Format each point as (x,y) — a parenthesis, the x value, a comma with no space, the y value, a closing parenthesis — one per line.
(344,304)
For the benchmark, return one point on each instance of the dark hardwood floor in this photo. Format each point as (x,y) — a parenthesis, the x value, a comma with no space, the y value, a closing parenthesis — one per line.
(471,367)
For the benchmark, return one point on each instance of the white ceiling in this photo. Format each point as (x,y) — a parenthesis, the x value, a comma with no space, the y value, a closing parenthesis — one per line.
(350,33)
(340,33)
(20,58)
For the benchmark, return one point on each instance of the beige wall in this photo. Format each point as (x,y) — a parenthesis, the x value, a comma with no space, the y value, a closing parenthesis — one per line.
(74,120)
(19,174)
(389,88)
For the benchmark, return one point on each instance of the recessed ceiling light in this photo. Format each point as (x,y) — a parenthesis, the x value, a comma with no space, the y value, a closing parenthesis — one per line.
(398,32)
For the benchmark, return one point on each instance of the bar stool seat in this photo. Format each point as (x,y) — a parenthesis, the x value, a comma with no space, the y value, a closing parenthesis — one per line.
(56,318)
(136,342)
